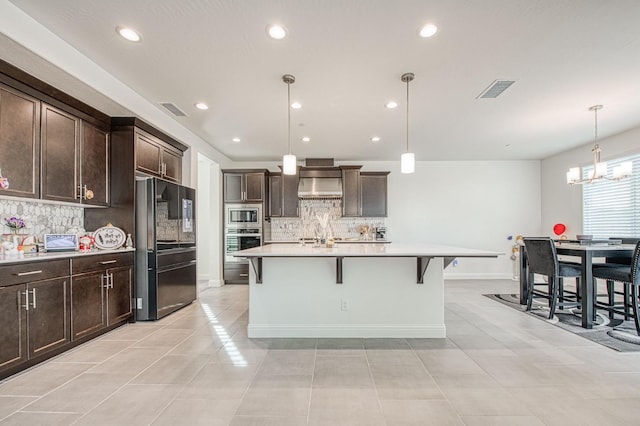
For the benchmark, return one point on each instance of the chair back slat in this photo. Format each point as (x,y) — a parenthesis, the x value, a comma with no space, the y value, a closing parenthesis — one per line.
(542,256)
(635,265)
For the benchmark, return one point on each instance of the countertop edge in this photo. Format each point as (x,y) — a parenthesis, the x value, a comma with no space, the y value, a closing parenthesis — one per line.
(37,257)
(365,250)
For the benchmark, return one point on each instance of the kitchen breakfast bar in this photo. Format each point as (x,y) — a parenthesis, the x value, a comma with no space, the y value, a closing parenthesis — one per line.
(349,290)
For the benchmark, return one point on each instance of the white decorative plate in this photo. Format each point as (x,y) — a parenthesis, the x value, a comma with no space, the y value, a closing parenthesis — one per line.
(109,237)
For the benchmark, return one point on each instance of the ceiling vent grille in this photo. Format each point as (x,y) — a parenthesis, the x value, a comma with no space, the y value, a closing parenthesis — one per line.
(173,109)
(495,89)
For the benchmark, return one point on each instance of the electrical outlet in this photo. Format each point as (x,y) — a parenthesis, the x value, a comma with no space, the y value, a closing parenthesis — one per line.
(344,305)
(139,303)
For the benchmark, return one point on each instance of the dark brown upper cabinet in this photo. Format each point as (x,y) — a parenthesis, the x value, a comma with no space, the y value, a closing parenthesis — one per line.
(19,143)
(290,201)
(156,158)
(94,166)
(274,206)
(351,190)
(244,186)
(283,195)
(75,159)
(60,155)
(373,189)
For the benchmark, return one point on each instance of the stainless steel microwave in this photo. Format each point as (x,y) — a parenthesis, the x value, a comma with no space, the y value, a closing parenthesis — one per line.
(243,215)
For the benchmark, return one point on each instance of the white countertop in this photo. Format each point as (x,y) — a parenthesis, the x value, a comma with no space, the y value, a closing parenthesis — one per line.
(364,250)
(309,242)
(31,257)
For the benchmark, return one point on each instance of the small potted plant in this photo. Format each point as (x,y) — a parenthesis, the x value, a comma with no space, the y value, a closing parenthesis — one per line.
(14,224)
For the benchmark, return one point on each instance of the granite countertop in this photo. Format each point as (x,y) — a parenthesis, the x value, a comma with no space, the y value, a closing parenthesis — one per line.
(364,250)
(33,257)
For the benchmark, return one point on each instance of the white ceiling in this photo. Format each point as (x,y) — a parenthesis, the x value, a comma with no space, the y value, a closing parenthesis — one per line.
(348,56)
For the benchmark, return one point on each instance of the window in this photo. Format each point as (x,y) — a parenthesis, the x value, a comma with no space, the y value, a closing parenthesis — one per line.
(612,208)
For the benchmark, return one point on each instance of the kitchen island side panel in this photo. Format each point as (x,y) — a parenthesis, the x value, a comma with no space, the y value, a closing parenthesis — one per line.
(379,297)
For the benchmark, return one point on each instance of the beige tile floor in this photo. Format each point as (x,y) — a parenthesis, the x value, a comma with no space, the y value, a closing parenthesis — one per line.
(496,367)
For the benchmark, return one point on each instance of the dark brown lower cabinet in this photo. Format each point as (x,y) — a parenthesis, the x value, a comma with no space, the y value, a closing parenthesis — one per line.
(35,319)
(13,333)
(101,292)
(48,315)
(119,307)
(236,273)
(47,307)
(88,304)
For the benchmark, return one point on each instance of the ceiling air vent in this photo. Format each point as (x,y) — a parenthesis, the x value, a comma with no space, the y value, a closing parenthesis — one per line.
(495,89)
(173,109)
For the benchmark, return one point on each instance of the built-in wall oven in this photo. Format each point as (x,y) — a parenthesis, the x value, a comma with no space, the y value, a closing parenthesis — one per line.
(240,239)
(243,229)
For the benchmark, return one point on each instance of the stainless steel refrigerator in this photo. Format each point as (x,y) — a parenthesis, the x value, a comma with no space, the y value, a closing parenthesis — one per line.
(166,277)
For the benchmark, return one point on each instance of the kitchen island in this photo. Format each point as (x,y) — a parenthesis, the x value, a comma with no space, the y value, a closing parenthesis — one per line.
(349,290)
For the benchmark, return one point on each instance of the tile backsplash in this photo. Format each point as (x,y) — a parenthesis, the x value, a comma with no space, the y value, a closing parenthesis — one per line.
(41,218)
(290,229)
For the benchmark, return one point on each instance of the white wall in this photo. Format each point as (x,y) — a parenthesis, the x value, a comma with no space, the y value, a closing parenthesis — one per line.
(208,223)
(562,203)
(474,204)
(467,204)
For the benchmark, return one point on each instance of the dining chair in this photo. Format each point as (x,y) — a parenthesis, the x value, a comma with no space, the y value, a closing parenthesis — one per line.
(543,260)
(612,305)
(629,276)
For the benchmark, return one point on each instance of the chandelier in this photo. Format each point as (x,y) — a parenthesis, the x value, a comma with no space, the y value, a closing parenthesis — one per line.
(599,171)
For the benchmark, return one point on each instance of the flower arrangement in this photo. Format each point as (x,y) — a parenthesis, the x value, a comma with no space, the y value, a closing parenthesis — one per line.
(15,223)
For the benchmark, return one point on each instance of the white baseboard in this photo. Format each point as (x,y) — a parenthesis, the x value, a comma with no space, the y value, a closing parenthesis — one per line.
(204,284)
(477,276)
(346,331)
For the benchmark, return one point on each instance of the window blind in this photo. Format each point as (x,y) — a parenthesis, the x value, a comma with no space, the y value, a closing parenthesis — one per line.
(612,208)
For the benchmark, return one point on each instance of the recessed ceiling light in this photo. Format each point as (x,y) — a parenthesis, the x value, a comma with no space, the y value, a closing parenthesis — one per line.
(236,140)
(375,139)
(427,30)
(391,105)
(276,32)
(306,139)
(296,105)
(129,33)
(202,106)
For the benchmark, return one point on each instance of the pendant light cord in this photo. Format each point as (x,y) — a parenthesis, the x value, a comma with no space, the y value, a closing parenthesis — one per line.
(289,113)
(408,115)
(595,140)
(407,77)
(596,147)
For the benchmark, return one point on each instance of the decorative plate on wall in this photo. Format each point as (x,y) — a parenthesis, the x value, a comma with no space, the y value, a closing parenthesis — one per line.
(109,237)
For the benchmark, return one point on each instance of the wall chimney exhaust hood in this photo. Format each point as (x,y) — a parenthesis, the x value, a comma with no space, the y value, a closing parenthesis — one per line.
(320,179)
(320,187)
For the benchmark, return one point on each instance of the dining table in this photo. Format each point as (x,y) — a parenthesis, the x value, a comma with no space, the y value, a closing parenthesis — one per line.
(584,253)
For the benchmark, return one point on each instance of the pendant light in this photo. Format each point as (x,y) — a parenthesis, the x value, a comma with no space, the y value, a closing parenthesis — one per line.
(599,172)
(289,165)
(408,159)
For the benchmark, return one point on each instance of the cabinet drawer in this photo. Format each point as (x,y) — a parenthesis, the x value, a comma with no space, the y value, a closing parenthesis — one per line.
(236,273)
(33,271)
(90,263)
